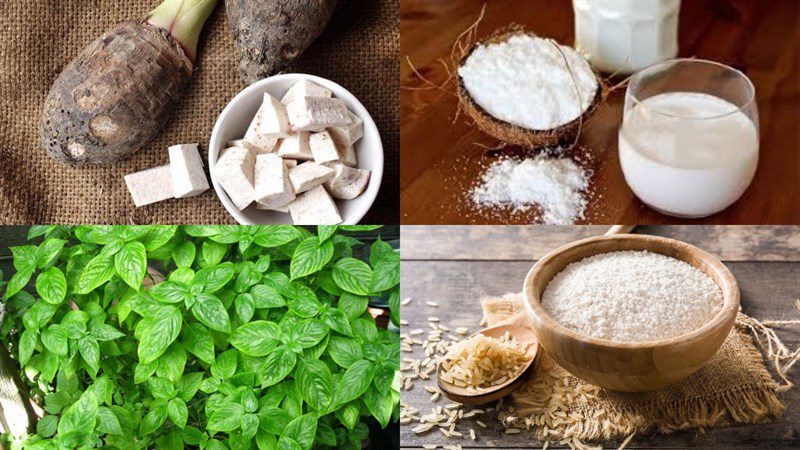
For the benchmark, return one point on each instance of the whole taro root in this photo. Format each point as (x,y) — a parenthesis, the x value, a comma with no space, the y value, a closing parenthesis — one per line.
(270,34)
(116,96)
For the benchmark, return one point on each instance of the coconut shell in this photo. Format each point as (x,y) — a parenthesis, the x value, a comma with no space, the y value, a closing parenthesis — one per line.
(515,134)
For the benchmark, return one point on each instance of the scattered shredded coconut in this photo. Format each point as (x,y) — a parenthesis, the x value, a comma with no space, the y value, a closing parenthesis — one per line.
(632,296)
(524,81)
(557,185)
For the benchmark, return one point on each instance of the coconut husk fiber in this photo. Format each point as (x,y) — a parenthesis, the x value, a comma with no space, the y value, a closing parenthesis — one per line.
(359,50)
(734,387)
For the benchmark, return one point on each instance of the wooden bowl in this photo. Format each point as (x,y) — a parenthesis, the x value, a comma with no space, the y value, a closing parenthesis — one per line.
(635,366)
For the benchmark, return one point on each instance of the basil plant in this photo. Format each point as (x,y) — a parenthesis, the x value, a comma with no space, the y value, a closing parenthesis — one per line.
(211,337)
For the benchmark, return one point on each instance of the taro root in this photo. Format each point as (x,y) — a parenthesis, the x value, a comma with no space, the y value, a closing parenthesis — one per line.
(116,96)
(270,34)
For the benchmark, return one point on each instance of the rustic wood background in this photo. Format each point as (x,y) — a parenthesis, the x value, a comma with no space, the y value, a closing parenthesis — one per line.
(456,266)
(441,158)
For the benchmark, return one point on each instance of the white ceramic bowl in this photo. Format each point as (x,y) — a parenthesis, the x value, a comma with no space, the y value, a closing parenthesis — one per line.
(236,117)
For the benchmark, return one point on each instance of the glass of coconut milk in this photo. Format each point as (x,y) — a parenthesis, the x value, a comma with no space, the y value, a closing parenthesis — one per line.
(688,144)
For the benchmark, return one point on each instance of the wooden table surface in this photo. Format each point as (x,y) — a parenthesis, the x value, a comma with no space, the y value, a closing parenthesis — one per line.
(456,266)
(441,159)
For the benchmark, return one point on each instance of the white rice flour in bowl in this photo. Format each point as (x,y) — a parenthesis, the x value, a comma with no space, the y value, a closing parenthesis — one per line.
(631,312)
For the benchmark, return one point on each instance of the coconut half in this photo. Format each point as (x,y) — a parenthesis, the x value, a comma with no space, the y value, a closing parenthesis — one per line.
(503,114)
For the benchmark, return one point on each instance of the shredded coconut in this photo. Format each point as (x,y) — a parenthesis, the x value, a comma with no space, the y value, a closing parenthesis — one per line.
(557,185)
(524,81)
(632,296)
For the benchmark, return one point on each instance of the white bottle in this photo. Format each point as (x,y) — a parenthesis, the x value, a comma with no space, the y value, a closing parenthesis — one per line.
(624,36)
(688,154)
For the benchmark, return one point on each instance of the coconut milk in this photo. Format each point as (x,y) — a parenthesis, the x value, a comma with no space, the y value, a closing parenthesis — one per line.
(688,154)
(626,35)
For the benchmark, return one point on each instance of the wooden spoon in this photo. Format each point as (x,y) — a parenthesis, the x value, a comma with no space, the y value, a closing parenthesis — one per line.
(519,327)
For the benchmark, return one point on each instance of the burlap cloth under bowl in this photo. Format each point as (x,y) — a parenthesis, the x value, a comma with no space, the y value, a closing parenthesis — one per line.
(733,387)
(359,50)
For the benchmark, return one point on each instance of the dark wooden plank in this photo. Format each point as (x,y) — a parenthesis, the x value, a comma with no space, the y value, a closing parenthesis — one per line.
(442,157)
(768,292)
(729,243)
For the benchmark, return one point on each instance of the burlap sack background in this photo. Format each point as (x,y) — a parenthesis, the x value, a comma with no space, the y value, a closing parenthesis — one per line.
(359,50)
(733,387)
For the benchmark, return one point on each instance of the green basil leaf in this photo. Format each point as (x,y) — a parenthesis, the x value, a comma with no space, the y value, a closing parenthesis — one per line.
(107,422)
(143,372)
(158,235)
(39,230)
(354,382)
(24,258)
(210,312)
(277,366)
(103,332)
(226,417)
(249,426)
(386,273)
(304,303)
(46,427)
(172,363)
(309,257)
(256,338)
(54,338)
(337,320)
(178,412)
(302,430)
(189,384)
(18,281)
(198,341)
(245,307)
(380,404)
(99,270)
(81,417)
(269,236)
(249,276)
(344,351)
(47,251)
(308,333)
(90,351)
(131,264)
(364,329)
(184,254)
(227,234)
(378,251)
(214,278)
(213,252)
(352,275)
(39,314)
(51,285)
(360,227)
(169,292)
(273,420)
(353,305)
(287,443)
(266,297)
(326,231)
(348,415)
(325,434)
(154,419)
(27,343)
(161,388)
(315,383)
(161,331)
(224,366)
(262,265)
